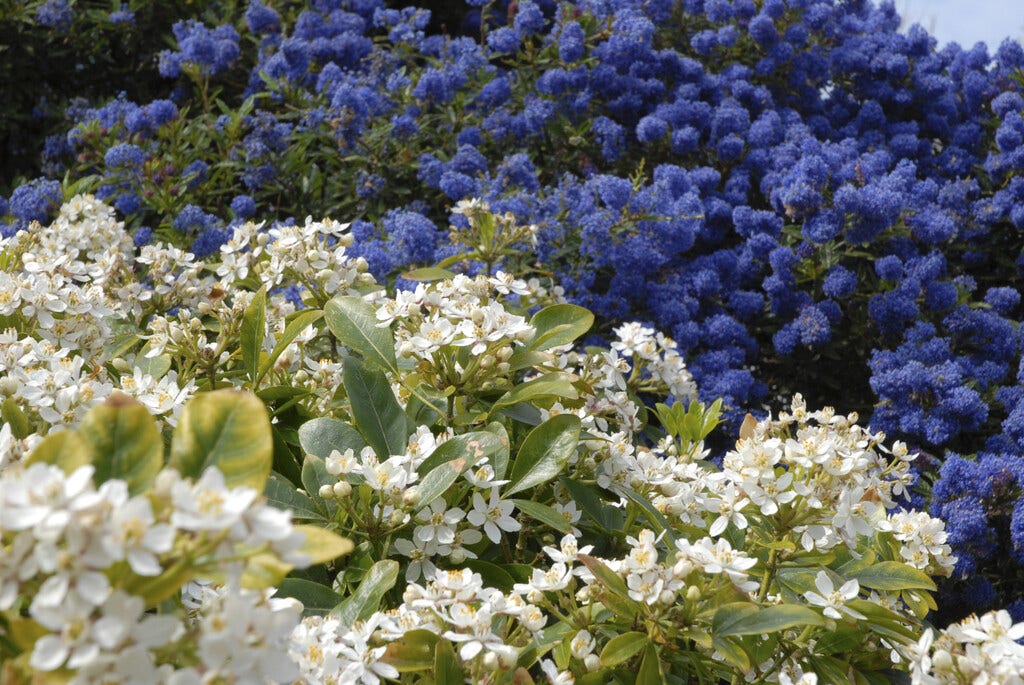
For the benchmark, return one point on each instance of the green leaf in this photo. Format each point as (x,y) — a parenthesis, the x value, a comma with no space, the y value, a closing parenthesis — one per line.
(623,647)
(728,615)
(66,449)
(650,672)
(314,475)
(228,429)
(366,599)
(654,516)
(499,460)
(543,513)
(471,446)
(492,574)
(297,323)
(353,321)
(771,620)
(253,330)
(559,324)
(412,652)
(322,436)
(554,384)
(282,494)
(12,415)
(321,545)
(156,367)
(377,414)
(125,442)
(428,273)
(447,669)
(732,651)
(440,478)
(894,575)
(589,499)
(316,598)
(544,453)
(617,597)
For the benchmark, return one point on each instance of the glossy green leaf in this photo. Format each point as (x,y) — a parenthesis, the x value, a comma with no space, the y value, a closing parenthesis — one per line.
(227,429)
(353,321)
(728,615)
(321,545)
(366,599)
(314,476)
(492,574)
(156,367)
(650,672)
(297,323)
(316,598)
(252,332)
(554,384)
(281,494)
(771,620)
(428,273)
(655,517)
(377,414)
(473,447)
(125,442)
(440,478)
(66,449)
(447,668)
(625,605)
(322,436)
(543,513)
(732,652)
(544,453)
(559,324)
(623,647)
(499,459)
(13,416)
(892,576)
(412,652)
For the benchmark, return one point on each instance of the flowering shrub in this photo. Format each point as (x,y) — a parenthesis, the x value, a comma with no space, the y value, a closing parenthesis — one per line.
(509,506)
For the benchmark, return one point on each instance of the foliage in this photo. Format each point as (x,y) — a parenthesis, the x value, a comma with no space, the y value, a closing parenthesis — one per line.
(518,507)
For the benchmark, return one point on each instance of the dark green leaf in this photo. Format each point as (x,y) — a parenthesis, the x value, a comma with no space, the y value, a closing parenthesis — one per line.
(366,599)
(447,669)
(377,413)
(892,576)
(253,330)
(316,598)
(543,513)
(544,453)
(622,648)
(353,321)
(12,415)
(771,619)
(322,436)
(650,672)
(282,494)
(299,322)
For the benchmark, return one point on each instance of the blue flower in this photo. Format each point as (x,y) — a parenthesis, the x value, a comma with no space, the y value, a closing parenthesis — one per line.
(36,200)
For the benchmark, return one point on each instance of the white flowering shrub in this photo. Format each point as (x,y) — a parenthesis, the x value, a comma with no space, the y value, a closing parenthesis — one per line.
(481,499)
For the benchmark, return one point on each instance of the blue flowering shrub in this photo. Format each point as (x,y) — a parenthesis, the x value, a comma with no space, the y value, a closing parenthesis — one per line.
(803,197)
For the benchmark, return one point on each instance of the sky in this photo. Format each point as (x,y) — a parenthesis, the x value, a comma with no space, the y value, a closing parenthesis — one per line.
(966,21)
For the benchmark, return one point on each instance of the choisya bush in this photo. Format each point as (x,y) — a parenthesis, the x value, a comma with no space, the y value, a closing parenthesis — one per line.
(480,499)
(802,196)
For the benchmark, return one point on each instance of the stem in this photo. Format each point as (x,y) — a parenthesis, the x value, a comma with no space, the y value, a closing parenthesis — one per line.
(769,573)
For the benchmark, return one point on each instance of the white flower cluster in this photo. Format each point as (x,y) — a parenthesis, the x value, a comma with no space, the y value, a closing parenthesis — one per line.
(976,650)
(459,312)
(77,551)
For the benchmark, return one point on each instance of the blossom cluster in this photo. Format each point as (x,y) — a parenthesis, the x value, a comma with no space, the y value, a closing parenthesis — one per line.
(669,581)
(977,649)
(87,561)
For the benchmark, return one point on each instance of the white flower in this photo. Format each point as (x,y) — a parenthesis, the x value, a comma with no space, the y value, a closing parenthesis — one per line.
(834,601)
(209,504)
(556,677)
(495,516)
(439,522)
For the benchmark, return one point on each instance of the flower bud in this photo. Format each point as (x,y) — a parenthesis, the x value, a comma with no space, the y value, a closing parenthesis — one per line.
(503,368)
(942,661)
(592,662)
(491,661)
(342,489)
(692,593)
(398,517)
(326,491)
(411,497)
(120,364)
(8,386)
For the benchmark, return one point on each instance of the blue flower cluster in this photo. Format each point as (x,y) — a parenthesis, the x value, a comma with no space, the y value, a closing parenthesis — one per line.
(804,197)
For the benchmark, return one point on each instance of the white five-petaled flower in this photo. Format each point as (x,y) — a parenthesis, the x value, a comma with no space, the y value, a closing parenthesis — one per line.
(832,600)
(495,516)
(209,504)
